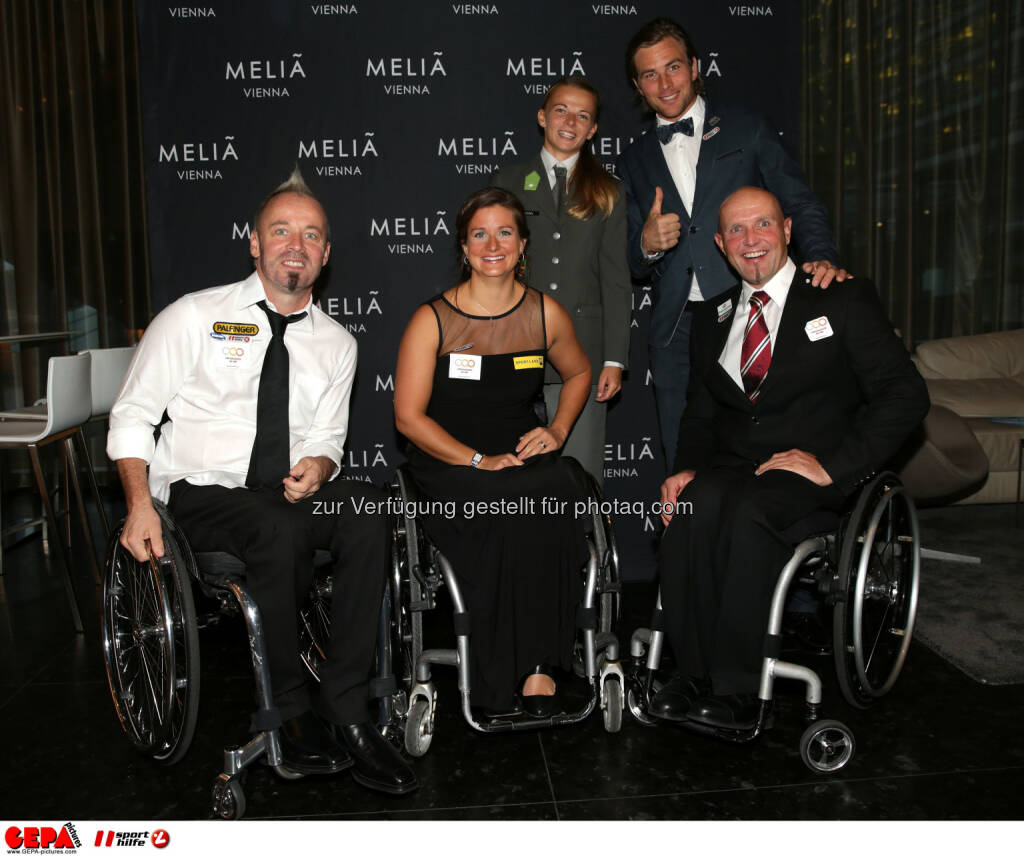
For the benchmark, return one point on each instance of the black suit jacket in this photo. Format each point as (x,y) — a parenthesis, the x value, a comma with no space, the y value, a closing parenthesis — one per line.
(850,399)
(737,149)
(580,263)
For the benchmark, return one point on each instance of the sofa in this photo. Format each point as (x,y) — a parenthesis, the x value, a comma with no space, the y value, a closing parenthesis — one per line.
(981,379)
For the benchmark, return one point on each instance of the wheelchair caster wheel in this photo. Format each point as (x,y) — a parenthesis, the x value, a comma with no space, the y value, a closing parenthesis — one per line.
(827,746)
(419,728)
(611,704)
(637,705)
(228,798)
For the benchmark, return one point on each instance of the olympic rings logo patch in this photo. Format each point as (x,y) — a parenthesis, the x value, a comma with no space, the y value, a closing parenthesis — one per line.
(234,352)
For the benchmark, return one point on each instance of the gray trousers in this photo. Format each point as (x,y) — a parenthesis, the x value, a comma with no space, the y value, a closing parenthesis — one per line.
(586,440)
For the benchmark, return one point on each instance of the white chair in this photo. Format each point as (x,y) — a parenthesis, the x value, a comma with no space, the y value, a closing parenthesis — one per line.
(108,367)
(107,371)
(68,406)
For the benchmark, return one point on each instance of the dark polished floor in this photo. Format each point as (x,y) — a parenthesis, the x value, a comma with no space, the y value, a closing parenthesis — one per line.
(940,747)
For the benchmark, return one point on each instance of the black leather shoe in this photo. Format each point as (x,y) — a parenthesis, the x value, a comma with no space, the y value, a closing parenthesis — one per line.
(308,748)
(541,706)
(674,700)
(726,711)
(376,763)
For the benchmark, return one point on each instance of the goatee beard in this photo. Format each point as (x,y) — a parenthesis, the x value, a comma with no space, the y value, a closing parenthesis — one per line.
(293,282)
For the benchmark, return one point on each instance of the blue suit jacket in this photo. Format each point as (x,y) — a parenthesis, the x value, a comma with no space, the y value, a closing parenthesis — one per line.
(737,148)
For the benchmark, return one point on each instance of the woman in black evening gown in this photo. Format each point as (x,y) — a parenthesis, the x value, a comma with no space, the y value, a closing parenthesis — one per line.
(470,367)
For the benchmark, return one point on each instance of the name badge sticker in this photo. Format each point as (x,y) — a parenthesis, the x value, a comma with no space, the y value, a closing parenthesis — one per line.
(232,356)
(819,328)
(724,310)
(464,366)
(533,362)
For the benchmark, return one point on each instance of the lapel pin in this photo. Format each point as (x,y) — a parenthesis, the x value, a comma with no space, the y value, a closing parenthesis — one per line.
(531,181)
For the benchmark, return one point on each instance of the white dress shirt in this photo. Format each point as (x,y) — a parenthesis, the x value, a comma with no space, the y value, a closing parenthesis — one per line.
(550,162)
(777,288)
(207,377)
(681,153)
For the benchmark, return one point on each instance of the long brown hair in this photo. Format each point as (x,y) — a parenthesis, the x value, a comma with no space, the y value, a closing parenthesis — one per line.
(591,188)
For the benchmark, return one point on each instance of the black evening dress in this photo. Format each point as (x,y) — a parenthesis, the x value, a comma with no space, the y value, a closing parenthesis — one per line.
(520,555)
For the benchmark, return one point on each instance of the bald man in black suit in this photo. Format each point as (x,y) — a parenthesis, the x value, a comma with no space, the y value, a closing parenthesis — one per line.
(794,402)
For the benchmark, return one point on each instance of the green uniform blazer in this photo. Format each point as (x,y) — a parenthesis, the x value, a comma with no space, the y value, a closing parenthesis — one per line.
(580,263)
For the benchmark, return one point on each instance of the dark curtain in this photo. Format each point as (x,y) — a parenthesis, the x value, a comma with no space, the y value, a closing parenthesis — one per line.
(912,135)
(72,207)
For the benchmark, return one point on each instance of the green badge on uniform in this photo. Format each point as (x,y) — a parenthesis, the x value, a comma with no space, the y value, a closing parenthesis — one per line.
(531,181)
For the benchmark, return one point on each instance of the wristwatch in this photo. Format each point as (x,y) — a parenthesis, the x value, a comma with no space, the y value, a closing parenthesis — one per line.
(477,458)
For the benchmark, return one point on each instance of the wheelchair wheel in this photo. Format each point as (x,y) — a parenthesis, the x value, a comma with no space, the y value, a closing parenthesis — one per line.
(612,706)
(228,798)
(827,746)
(879,567)
(315,625)
(419,728)
(635,701)
(151,646)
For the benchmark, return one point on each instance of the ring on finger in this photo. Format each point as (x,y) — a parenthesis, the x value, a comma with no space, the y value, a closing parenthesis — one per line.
(543,445)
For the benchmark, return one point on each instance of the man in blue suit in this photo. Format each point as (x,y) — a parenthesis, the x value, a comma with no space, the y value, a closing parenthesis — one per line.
(676,179)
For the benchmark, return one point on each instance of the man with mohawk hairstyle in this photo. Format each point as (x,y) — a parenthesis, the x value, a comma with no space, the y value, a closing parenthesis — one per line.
(255,379)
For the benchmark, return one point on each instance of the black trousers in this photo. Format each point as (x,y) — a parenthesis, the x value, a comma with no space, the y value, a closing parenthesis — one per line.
(718,565)
(276,539)
(670,371)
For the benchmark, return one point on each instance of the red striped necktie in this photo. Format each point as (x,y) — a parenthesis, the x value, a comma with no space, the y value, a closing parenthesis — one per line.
(756,355)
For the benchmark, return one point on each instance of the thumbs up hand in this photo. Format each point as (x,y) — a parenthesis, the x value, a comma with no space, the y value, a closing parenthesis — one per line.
(661,231)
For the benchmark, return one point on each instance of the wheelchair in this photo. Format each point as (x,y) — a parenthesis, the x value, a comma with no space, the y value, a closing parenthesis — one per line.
(151,648)
(867,570)
(418,572)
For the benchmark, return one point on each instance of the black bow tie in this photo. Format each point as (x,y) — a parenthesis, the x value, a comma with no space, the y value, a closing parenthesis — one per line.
(667,132)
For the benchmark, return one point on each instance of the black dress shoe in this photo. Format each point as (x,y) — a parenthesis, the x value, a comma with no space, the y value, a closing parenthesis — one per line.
(376,763)
(541,706)
(674,700)
(308,748)
(726,711)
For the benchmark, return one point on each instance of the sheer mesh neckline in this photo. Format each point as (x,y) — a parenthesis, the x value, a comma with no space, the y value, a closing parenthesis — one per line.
(509,311)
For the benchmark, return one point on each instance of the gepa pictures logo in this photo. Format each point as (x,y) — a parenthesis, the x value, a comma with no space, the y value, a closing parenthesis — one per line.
(42,839)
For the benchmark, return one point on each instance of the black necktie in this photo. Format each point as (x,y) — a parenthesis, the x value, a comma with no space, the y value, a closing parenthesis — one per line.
(270,462)
(560,176)
(667,132)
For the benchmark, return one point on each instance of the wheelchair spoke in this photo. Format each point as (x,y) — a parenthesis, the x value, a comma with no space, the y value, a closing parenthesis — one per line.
(882,624)
(153,693)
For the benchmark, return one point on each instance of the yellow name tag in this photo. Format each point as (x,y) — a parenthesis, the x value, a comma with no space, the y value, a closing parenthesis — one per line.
(534,362)
(235,329)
